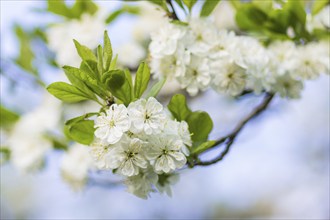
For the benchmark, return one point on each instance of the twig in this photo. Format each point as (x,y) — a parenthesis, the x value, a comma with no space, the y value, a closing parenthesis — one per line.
(229,139)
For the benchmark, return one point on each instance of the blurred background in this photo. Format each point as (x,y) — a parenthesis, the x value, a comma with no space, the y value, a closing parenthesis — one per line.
(277,169)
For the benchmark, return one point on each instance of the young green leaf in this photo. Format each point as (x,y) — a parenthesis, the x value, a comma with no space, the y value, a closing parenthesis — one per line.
(200,125)
(107,51)
(82,132)
(141,80)
(119,86)
(66,92)
(100,60)
(113,64)
(153,92)
(7,117)
(319,5)
(189,3)
(60,8)
(80,80)
(26,55)
(208,7)
(202,147)
(178,107)
(84,52)
(128,76)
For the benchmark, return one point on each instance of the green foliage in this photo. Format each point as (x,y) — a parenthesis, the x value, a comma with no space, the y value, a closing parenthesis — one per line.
(119,85)
(107,51)
(260,17)
(200,125)
(319,5)
(84,52)
(80,129)
(153,92)
(26,55)
(189,3)
(202,147)
(5,154)
(141,80)
(67,92)
(208,7)
(7,117)
(124,9)
(59,7)
(161,3)
(178,107)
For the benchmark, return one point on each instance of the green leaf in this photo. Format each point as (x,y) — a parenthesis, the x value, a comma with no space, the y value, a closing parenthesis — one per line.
(26,55)
(179,2)
(119,85)
(200,125)
(153,92)
(70,123)
(80,80)
(250,17)
(178,107)
(84,52)
(113,64)
(208,7)
(89,67)
(141,79)
(202,147)
(161,3)
(189,3)
(319,5)
(5,154)
(81,7)
(107,51)
(128,76)
(66,92)
(82,131)
(60,8)
(100,60)
(7,117)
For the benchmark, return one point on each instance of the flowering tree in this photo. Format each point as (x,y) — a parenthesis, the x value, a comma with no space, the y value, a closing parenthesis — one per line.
(274,48)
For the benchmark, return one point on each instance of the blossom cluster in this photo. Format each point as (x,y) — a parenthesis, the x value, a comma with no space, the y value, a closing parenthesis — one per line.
(140,142)
(200,56)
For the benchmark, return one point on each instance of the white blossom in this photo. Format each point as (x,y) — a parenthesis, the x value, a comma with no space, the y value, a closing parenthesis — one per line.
(166,154)
(313,60)
(99,151)
(88,30)
(228,77)
(204,34)
(27,140)
(141,184)
(127,157)
(286,86)
(112,124)
(165,181)
(197,76)
(147,116)
(165,40)
(75,165)
(285,55)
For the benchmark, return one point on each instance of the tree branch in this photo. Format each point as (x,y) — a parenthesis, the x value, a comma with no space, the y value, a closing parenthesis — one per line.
(229,139)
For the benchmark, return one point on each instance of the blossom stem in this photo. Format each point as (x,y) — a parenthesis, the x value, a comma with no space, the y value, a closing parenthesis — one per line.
(229,139)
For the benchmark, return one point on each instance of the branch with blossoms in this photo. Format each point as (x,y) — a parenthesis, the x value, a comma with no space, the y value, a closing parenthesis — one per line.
(145,142)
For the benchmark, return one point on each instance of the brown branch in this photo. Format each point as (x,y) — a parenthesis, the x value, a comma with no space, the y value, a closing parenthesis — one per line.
(229,139)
